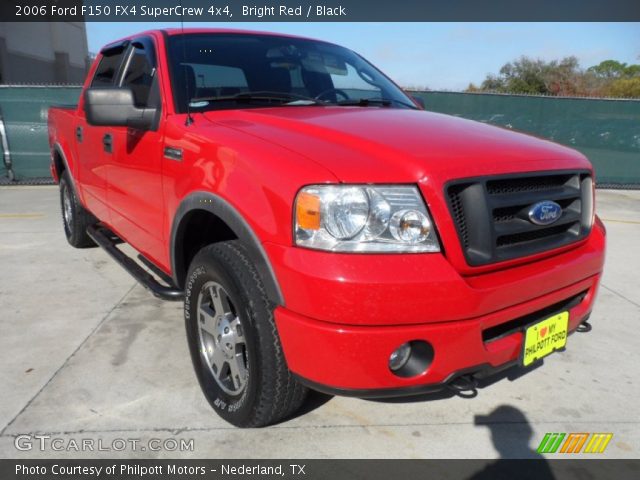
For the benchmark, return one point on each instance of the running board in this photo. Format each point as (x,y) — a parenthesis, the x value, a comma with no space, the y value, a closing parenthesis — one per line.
(107,241)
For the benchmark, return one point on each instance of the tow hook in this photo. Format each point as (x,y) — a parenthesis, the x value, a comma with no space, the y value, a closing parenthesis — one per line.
(464,386)
(584,327)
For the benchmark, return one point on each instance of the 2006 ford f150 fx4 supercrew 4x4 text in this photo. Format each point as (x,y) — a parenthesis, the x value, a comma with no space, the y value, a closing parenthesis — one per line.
(323,229)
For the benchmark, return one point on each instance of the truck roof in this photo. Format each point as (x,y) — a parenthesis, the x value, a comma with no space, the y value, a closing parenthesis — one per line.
(181,31)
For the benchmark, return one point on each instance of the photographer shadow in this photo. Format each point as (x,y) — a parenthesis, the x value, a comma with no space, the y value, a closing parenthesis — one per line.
(511,435)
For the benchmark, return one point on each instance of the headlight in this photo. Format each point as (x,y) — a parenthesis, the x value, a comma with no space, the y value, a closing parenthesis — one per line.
(352,218)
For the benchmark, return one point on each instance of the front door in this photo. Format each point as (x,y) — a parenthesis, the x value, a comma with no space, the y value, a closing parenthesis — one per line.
(134,169)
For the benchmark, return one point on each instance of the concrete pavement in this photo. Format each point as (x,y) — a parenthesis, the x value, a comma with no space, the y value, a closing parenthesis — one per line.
(87,354)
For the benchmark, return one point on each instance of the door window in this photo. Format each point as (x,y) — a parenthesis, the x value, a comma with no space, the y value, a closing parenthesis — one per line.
(140,76)
(108,67)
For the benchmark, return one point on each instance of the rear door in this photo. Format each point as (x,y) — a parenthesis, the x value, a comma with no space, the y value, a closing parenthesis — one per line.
(134,179)
(92,171)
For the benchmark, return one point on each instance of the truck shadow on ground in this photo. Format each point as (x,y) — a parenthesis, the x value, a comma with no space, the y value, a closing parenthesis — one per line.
(313,401)
(316,399)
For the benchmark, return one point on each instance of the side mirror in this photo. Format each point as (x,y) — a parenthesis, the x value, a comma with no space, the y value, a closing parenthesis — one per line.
(419,101)
(115,107)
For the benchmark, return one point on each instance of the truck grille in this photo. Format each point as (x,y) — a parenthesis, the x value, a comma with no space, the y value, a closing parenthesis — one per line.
(491,214)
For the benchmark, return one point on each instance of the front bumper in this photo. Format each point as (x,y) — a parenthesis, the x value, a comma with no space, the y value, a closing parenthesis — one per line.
(344,358)
(473,323)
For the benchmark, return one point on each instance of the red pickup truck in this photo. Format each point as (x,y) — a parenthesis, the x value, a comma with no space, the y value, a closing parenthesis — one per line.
(323,229)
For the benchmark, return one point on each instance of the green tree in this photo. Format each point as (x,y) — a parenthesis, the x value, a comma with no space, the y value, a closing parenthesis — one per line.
(624,88)
(608,69)
(493,83)
(524,75)
(632,71)
(536,76)
(564,77)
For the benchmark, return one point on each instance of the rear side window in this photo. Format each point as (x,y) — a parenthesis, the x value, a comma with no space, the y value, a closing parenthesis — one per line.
(140,76)
(108,67)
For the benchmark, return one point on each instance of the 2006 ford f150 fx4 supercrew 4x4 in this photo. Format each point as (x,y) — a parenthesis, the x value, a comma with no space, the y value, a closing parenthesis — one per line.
(324,230)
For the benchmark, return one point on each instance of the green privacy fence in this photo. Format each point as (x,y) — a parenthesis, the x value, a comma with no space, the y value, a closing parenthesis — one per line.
(23,111)
(607,131)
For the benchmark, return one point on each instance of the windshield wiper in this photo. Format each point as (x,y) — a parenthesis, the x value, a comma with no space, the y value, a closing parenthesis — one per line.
(285,97)
(294,99)
(365,102)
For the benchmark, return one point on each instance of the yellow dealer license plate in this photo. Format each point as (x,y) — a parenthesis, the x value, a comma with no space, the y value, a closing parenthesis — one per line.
(545,337)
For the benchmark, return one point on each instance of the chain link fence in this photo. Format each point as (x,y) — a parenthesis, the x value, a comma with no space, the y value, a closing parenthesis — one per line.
(23,130)
(606,130)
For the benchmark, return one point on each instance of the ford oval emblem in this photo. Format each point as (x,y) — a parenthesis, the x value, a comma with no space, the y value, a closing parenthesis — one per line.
(545,213)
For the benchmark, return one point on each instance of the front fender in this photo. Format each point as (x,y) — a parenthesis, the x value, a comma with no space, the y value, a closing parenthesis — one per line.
(201,200)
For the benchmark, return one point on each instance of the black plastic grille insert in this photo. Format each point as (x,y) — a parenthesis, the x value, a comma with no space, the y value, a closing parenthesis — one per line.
(491,213)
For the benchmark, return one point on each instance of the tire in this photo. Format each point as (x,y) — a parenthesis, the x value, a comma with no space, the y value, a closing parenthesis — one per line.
(75,218)
(240,365)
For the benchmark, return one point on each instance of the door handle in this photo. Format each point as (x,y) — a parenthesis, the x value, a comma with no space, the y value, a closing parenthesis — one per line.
(79,134)
(107,143)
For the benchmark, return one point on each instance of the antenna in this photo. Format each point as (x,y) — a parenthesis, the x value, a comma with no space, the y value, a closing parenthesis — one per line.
(189,119)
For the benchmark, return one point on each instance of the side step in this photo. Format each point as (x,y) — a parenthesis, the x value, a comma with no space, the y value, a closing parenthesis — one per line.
(107,241)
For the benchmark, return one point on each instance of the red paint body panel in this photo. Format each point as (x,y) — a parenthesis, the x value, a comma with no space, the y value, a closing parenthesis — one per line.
(343,314)
(346,357)
(416,289)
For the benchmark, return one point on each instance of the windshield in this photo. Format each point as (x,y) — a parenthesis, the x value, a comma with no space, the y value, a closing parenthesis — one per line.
(217,71)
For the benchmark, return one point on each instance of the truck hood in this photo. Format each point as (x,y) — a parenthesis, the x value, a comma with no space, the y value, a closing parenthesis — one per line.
(365,144)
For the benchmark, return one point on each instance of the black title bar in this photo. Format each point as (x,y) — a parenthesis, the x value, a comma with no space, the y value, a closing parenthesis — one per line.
(318,10)
(530,469)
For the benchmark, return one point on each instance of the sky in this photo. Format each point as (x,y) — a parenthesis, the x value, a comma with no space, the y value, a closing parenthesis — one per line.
(439,56)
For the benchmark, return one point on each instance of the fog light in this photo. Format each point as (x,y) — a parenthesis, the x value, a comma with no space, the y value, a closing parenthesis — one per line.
(411,359)
(399,357)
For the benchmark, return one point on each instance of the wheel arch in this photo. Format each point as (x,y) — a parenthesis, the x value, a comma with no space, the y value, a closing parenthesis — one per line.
(230,219)
(60,163)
